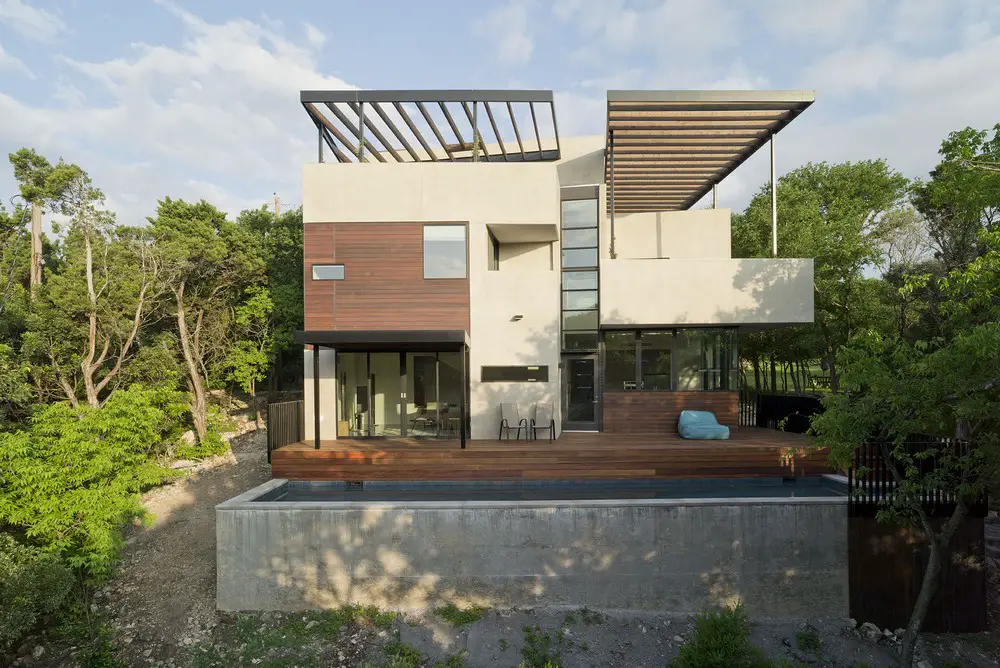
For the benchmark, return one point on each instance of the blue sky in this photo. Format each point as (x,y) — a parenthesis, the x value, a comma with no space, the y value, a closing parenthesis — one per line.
(200,99)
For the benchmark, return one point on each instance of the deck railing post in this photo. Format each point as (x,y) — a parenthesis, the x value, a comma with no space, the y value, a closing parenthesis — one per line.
(316,415)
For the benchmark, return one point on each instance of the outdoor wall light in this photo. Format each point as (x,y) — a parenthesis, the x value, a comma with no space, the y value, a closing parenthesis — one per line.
(517,317)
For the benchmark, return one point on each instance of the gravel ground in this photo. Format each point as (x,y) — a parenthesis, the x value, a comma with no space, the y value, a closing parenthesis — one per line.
(161,606)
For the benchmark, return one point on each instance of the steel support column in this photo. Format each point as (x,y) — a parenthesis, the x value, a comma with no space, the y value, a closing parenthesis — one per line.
(316,415)
(611,191)
(463,409)
(319,130)
(475,132)
(715,196)
(361,132)
(774,205)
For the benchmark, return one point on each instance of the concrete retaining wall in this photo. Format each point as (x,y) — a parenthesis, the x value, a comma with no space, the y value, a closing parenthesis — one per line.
(780,557)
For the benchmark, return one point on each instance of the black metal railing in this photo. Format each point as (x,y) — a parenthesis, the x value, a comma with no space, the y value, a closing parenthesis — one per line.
(871,484)
(286,424)
(789,412)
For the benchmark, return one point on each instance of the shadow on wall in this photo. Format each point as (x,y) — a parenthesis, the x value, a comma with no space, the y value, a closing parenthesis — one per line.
(540,346)
(771,557)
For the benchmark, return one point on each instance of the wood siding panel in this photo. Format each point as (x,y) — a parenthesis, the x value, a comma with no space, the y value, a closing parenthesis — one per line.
(751,452)
(657,412)
(384,288)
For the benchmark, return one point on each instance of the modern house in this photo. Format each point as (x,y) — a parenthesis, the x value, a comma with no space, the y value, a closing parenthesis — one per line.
(460,255)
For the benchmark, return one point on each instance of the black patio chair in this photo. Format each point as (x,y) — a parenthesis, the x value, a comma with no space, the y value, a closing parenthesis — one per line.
(543,420)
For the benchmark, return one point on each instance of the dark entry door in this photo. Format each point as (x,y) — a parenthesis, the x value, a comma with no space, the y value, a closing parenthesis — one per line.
(580,393)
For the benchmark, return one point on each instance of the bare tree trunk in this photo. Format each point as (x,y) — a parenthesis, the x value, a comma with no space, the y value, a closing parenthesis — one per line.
(87,363)
(756,373)
(198,404)
(938,544)
(834,378)
(256,404)
(774,375)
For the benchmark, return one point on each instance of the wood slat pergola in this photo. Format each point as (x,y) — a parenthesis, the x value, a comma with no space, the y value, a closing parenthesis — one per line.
(665,150)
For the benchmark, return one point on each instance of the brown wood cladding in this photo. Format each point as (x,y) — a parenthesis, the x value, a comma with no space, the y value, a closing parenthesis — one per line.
(384,286)
(752,452)
(657,412)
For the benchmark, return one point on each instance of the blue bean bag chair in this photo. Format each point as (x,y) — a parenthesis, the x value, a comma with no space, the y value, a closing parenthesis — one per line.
(701,425)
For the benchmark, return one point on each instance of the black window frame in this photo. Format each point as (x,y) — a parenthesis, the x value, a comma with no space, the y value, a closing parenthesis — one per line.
(589,338)
(675,339)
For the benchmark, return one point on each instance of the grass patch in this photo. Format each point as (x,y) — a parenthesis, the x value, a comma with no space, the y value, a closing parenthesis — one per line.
(282,641)
(592,617)
(722,638)
(808,640)
(540,650)
(459,617)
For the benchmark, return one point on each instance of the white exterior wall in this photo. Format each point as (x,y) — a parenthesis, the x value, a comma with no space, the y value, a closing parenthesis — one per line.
(706,292)
(327,393)
(699,234)
(527,284)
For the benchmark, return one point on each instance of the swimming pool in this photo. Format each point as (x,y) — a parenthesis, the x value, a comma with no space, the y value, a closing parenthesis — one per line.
(569,490)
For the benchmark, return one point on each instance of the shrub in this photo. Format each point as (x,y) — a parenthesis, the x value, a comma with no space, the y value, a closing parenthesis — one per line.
(721,638)
(72,479)
(210,446)
(32,584)
(454,615)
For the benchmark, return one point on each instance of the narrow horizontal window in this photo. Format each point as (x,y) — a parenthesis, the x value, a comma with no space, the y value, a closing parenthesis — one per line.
(580,340)
(579,280)
(579,213)
(328,272)
(580,300)
(514,374)
(585,257)
(586,238)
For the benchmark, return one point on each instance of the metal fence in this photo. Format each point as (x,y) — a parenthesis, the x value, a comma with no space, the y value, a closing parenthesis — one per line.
(789,412)
(286,424)
(870,481)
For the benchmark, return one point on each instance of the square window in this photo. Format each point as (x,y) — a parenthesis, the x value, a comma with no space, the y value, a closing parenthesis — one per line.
(444,251)
(579,213)
(328,272)
(579,320)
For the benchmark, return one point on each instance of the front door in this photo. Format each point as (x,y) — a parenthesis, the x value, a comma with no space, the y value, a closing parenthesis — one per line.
(580,394)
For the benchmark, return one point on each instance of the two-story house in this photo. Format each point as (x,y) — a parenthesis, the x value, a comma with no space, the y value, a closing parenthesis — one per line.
(460,255)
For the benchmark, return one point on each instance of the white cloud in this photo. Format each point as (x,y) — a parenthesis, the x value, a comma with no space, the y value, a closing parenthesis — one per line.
(216,116)
(11,62)
(811,20)
(314,35)
(31,22)
(506,27)
(853,68)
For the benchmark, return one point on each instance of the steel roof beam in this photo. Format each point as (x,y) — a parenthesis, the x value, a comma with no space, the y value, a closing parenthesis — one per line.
(356,132)
(413,128)
(395,130)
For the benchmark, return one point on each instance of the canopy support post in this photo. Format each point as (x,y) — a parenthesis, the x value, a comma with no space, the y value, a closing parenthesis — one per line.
(774,205)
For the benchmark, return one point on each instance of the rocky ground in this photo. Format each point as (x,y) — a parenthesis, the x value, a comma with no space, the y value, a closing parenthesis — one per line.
(161,609)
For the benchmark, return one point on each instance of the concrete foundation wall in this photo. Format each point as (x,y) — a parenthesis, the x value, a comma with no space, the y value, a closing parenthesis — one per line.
(781,558)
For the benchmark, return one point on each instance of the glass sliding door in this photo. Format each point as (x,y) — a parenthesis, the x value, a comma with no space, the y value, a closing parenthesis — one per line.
(353,405)
(580,392)
(423,410)
(451,385)
(386,376)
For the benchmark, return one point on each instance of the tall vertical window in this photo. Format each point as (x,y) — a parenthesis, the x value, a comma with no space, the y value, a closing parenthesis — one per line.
(706,359)
(579,274)
(444,251)
(493,259)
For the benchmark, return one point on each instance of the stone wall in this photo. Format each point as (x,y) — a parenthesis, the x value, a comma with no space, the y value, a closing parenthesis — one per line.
(780,557)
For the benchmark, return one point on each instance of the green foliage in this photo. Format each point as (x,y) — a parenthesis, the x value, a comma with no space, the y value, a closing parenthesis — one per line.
(250,354)
(72,478)
(15,390)
(301,640)
(211,446)
(835,214)
(808,640)
(90,633)
(459,617)
(40,181)
(721,638)
(540,650)
(33,584)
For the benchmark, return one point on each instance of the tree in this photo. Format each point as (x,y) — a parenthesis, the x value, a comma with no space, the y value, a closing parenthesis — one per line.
(208,263)
(960,199)
(250,354)
(281,243)
(836,214)
(949,385)
(87,318)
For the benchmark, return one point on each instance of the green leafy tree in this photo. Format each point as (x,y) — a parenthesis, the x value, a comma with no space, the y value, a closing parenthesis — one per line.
(33,583)
(962,195)
(208,262)
(15,390)
(281,243)
(836,214)
(72,478)
(86,321)
(250,355)
(948,385)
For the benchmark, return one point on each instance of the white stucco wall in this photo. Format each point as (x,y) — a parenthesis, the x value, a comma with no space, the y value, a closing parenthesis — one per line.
(706,292)
(529,289)
(327,393)
(698,234)
(481,192)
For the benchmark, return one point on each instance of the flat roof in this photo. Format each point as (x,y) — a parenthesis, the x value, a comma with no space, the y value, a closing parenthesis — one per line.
(435,125)
(672,146)
(419,340)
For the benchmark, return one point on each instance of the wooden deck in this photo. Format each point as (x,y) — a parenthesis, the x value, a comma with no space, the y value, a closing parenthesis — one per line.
(751,452)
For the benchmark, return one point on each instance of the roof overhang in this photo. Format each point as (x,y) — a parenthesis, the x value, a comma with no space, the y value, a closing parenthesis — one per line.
(419,340)
(671,147)
(524,233)
(435,125)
